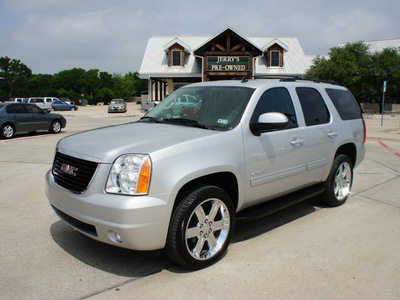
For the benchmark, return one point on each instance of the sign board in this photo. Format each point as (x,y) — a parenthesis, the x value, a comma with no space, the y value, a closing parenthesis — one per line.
(228,63)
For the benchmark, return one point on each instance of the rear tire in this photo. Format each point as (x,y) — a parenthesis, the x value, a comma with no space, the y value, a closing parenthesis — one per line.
(339,182)
(201,227)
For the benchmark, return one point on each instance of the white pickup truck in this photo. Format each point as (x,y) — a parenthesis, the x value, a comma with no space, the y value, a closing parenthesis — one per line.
(43,102)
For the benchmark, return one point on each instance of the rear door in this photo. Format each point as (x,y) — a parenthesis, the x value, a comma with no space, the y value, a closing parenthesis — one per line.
(275,160)
(320,133)
(20,117)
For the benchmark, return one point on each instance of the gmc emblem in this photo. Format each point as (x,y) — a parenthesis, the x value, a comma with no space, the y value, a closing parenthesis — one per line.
(67,169)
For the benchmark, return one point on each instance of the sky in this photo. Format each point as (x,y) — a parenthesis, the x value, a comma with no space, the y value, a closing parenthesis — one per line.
(50,36)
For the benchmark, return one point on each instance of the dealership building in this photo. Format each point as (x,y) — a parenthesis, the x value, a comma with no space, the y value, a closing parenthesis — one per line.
(171,62)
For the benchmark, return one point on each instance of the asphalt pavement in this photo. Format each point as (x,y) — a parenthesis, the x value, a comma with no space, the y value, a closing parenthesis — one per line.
(307,251)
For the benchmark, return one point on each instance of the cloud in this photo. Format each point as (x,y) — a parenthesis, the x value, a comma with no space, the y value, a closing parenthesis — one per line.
(54,35)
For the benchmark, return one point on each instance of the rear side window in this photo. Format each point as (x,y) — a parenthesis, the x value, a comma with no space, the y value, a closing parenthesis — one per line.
(345,104)
(314,109)
(16,109)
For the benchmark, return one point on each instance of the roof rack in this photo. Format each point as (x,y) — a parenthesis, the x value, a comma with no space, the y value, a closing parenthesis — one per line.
(287,78)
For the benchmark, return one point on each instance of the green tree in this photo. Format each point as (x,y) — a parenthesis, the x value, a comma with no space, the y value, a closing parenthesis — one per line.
(348,65)
(91,82)
(359,70)
(12,70)
(385,67)
(71,80)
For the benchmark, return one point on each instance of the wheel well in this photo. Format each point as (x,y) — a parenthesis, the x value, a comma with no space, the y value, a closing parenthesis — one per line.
(8,123)
(349,150)
(225,180)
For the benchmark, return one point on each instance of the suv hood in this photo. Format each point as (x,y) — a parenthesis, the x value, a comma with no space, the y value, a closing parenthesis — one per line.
(106,144)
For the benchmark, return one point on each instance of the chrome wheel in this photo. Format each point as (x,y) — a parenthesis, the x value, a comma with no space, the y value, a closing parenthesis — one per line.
(201,227)
(343,181)
(7,131)
(56,127)
(339,182)
(207,229)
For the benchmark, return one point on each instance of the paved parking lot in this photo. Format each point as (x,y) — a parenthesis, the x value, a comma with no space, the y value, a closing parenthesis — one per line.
(307,251)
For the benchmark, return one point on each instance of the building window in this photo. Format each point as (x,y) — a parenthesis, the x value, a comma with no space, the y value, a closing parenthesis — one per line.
(275,58)
(176,57)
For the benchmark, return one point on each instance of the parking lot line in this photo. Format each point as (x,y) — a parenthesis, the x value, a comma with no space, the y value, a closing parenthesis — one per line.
(388,148)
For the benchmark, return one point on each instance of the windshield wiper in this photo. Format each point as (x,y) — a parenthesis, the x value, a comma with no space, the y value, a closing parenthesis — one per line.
(187,122)
(151,119)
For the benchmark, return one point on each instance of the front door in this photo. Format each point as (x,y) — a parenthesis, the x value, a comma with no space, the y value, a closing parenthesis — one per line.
(276,160)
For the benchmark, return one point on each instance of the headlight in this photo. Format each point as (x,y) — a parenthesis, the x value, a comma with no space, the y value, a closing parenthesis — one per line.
(130,175)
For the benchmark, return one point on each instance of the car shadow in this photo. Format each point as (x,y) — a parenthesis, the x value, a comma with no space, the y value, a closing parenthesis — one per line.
(248,229)
(129,263)
(108,258)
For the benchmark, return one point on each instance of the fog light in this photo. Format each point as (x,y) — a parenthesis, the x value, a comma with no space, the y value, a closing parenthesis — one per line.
(115,237)
(118,238)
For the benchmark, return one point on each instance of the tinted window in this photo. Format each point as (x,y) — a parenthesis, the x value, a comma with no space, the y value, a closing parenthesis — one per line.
(345,104)
(33,109)
(16,109)
(275,58)
(176,57)
(314,109)
(214,107)
(276,100)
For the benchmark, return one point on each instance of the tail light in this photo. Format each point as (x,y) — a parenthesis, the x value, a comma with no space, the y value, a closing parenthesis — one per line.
(365,131)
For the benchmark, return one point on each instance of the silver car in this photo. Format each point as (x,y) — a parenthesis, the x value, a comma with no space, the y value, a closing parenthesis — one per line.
(180,181)
(117,105)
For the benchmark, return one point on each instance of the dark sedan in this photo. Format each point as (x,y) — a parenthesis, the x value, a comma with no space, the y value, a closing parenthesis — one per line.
(61,105)
(19,117)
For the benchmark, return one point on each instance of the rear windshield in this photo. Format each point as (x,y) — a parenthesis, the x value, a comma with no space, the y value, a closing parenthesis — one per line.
(345,104)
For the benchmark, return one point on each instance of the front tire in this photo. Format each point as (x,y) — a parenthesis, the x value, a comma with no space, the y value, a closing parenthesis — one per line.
(55,126)
(201,227)
(339,182)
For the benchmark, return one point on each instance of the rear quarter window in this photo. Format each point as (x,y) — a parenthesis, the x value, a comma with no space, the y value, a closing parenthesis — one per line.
(345,104)
(314,108)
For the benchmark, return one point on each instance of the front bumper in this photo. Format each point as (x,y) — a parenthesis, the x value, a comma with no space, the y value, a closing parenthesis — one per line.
(116,109)
(133,222)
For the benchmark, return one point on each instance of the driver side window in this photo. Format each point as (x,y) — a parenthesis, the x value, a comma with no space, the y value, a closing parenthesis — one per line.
(276,100)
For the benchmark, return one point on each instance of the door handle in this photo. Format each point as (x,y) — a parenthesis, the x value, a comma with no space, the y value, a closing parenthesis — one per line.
(297,142)
(332,134)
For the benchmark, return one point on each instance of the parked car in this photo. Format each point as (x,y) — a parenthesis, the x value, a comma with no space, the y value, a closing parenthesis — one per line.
(67,100)
(21,117)
(61,105)
(183,106)
(18,100)
(117,105)
(180,183)
(43,103)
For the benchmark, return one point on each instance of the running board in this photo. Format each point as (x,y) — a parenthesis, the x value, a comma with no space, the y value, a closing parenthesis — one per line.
(274,205)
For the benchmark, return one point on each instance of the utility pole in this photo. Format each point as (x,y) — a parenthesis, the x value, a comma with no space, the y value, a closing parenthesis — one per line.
(383,101)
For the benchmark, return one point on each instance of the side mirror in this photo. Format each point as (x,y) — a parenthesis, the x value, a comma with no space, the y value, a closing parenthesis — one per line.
(269,122)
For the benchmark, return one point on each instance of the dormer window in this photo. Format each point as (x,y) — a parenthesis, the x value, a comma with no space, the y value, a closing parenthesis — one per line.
(274,54)
(177,53)
(275,58)
(176,58)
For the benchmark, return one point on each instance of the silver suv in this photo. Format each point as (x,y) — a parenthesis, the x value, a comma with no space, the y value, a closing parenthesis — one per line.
(180,181)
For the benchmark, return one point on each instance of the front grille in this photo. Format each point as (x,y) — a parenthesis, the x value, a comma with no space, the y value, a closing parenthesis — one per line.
(89,229)
(72,173)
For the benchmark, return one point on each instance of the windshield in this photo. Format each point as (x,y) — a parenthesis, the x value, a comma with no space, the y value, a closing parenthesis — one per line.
(117,101)
(210,107)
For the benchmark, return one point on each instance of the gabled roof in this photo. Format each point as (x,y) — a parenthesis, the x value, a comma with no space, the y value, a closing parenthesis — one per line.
(179,42)
(155,60)
(379,45)
(222,33)
(273,42)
